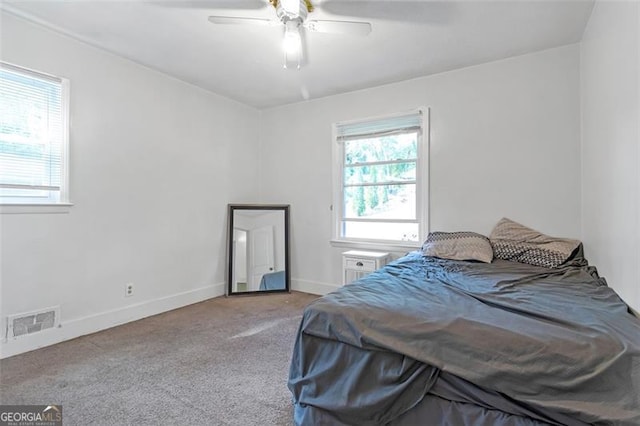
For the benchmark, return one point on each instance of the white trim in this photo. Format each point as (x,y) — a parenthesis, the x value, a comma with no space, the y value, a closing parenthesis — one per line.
(423,172)
(93,323)
(29,71)
(313,287)
(363,219)
(35,208)
(66,123)
(63,190)
(376,245)
(421,182)
(336,183)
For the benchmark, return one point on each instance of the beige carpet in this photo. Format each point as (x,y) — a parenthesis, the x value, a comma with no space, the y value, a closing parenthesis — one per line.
(220,362)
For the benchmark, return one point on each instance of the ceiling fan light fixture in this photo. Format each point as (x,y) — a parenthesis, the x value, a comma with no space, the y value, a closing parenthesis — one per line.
(292,42)
(292,14)
(291,7)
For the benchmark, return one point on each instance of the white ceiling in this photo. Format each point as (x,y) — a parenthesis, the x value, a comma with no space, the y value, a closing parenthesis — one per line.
(409,39)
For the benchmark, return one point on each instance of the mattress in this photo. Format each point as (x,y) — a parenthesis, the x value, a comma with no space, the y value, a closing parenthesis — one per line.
(452,342)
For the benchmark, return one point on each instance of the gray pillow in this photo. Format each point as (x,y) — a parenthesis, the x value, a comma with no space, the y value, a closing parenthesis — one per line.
(516,242)
(458,246)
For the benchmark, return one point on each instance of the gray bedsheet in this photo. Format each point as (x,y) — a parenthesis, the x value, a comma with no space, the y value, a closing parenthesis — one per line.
(545,346)
(273,281)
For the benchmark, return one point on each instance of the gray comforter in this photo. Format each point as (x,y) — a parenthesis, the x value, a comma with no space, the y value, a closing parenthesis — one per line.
(545,346)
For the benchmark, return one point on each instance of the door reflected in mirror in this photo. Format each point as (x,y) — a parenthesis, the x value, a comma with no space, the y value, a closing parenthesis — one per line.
(258,248)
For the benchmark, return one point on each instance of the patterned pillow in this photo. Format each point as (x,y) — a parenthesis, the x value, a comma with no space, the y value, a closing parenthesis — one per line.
(516,242)
(458,246)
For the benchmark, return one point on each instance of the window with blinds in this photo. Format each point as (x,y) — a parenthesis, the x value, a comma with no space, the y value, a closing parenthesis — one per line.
(33,137)
(381,179)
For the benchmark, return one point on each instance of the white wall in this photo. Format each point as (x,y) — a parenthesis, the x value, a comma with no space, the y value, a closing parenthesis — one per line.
(505,141)
(610,71)
(154,162)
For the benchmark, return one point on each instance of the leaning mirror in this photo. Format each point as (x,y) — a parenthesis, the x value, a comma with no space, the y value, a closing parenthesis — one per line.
(258,249)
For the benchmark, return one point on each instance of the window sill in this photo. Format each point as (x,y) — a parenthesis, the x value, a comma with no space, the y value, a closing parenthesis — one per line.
(391,247)
(35,208)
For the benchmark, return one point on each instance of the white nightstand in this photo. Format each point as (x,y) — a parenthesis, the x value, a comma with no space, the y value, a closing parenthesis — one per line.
(356,264)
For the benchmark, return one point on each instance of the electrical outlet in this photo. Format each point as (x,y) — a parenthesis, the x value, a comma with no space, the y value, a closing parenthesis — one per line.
(128,289)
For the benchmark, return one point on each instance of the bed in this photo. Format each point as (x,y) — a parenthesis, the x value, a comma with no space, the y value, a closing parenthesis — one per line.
(273,281)
(430,341)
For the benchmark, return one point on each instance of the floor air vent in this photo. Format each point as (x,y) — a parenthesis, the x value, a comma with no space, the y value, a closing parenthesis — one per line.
(32,322)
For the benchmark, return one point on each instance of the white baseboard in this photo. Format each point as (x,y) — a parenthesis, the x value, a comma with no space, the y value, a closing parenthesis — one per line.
(93,323)
(313,287)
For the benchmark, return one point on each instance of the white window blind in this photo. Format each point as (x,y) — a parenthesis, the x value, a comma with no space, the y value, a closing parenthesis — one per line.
(33,110)
(382,127)
(380,191)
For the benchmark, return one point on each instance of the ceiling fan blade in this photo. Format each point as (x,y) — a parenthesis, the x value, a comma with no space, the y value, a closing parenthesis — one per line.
(214,4)
(235,20)
(339,27)
(424,12)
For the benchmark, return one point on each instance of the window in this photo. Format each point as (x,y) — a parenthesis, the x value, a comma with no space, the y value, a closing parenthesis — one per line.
(380,175)
(33,137)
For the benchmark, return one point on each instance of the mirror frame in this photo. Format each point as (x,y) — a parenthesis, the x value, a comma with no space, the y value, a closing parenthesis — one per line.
(230,260)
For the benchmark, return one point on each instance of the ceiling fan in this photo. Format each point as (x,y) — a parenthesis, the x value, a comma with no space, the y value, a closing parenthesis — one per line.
(292,15)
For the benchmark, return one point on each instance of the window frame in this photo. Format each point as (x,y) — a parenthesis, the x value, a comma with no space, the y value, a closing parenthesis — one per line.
(47,205)
(422,187)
